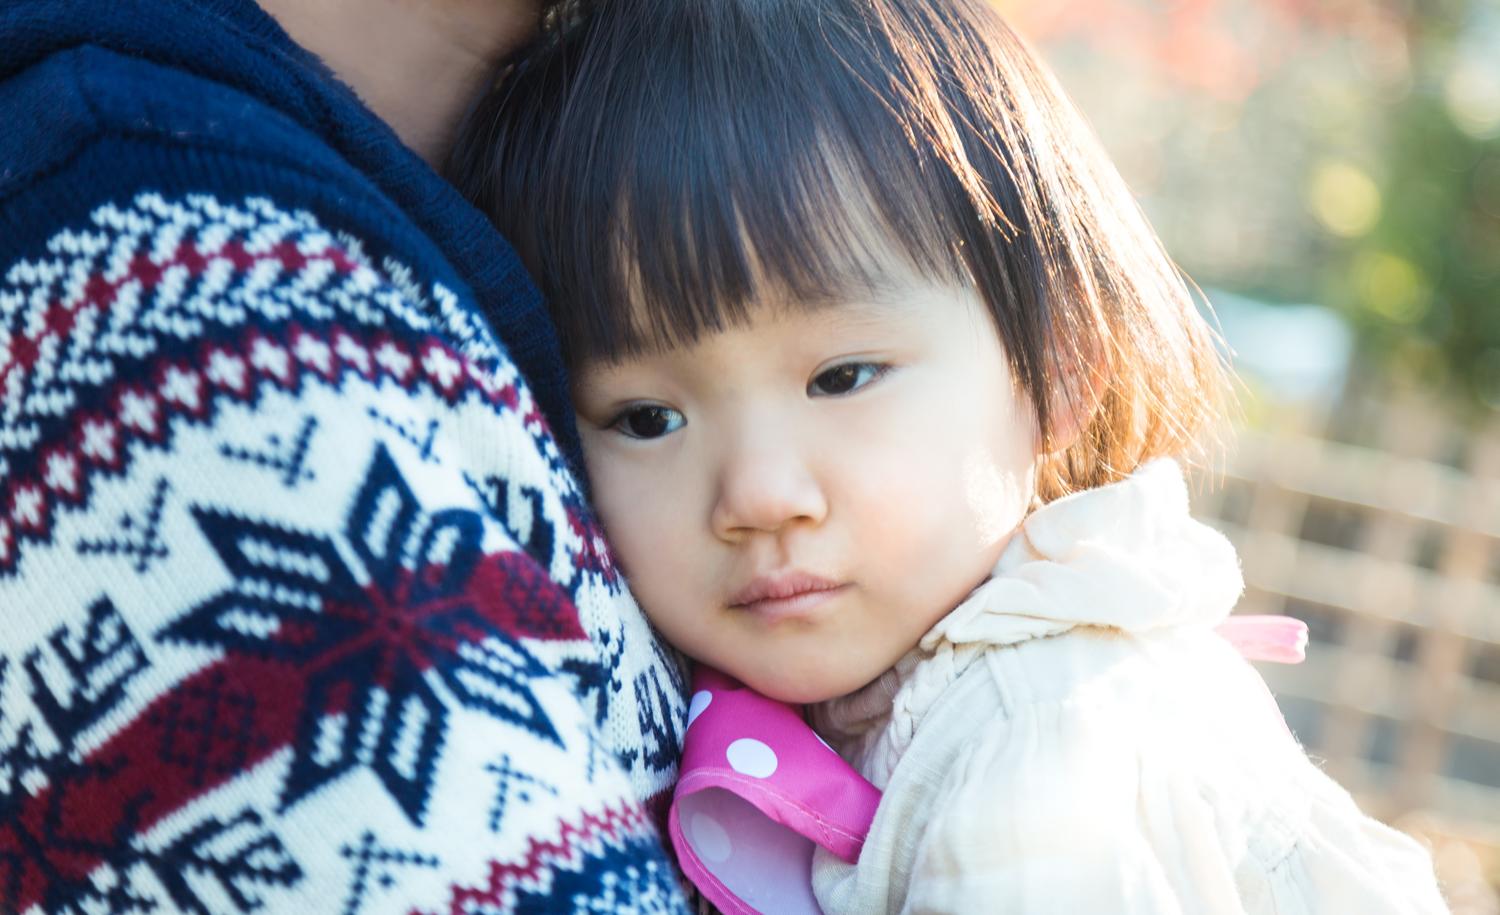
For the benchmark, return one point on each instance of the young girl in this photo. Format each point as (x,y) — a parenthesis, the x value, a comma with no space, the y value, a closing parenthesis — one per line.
(878,370)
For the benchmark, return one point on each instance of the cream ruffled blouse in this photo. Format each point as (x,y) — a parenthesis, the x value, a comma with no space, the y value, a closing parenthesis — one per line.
(1075,738)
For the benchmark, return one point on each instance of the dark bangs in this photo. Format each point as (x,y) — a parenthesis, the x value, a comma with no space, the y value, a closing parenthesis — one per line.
(664,167)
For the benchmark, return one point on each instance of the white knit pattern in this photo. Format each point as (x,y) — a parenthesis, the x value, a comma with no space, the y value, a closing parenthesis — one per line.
(304,612)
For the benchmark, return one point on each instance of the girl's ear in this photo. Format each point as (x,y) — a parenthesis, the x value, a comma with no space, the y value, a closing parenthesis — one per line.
(1071,405)
(1071,408)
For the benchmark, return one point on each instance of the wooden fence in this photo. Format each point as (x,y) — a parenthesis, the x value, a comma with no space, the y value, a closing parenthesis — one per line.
(1379,525)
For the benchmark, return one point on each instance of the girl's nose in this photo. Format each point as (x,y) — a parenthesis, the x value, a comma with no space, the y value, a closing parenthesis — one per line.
(765,490)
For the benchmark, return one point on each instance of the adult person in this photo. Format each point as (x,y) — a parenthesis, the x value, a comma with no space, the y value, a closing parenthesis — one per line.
(303,610)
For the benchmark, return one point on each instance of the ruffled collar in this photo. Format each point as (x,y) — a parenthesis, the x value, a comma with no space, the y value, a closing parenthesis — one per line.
(1125,556)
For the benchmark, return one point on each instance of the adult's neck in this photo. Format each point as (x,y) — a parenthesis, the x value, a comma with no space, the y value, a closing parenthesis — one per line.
(418,64)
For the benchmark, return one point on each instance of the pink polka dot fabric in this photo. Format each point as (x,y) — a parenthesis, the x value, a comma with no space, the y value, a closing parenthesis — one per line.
(758,792)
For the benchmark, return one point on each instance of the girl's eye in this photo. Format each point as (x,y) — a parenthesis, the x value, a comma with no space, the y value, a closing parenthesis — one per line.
(648,422)
(845,379)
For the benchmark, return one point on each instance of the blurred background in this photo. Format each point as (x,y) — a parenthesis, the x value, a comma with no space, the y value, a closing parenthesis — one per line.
(1328,171)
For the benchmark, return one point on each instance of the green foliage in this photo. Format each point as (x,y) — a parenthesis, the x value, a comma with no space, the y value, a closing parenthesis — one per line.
(1422,287)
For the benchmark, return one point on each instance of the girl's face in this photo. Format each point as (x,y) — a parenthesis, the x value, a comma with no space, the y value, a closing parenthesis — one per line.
(797,500)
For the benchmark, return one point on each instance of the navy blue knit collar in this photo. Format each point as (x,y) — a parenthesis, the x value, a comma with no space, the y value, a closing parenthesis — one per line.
(236,43)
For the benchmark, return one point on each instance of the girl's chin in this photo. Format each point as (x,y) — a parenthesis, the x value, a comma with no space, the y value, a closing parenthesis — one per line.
(805,687)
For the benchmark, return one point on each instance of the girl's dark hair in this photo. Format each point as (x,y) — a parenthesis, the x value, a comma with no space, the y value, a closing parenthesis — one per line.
(665,166)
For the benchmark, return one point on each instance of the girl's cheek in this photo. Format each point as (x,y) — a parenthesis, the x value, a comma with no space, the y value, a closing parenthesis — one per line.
(622,508)
(995,495)
(647,515)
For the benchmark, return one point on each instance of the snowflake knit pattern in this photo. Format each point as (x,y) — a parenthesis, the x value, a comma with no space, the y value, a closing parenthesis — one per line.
(304,610)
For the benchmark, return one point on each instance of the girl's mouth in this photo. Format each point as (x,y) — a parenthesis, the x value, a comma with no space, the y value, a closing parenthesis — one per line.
(786,594)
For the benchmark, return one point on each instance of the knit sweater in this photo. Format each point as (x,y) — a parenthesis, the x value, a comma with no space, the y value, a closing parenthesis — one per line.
(1076,736)
(303,608)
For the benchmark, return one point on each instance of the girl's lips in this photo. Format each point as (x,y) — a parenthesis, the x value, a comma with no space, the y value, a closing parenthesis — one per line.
(803,604)
(786,594)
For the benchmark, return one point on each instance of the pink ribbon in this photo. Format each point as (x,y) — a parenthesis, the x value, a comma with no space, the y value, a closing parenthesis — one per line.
(1279,639)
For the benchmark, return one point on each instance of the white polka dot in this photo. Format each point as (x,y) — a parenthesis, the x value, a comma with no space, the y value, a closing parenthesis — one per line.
(710,840)
(751,757)
(700,701)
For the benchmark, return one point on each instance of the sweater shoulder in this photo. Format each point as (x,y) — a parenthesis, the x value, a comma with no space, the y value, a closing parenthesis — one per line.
(95,128)
(80,97)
